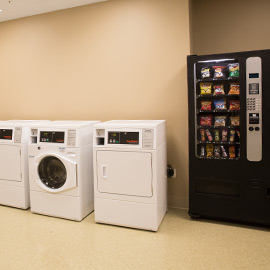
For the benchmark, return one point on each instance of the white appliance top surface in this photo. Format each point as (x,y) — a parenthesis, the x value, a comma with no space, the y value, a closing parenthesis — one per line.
(130,123)
(67,124)
(16,123)
(14,9)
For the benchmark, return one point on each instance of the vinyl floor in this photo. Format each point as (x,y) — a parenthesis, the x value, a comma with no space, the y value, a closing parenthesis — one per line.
(31,241)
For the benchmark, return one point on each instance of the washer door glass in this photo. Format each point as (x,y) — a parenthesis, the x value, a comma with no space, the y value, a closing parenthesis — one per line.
(52,172)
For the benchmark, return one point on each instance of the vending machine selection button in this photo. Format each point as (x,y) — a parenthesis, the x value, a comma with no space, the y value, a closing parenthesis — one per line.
(257,128)
(251,128)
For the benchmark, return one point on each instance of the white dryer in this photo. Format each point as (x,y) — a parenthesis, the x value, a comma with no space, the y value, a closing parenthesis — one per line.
(130,181)
(61,169)
(14,182)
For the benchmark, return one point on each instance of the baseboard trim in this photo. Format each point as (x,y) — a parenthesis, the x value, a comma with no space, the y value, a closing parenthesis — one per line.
(178,202)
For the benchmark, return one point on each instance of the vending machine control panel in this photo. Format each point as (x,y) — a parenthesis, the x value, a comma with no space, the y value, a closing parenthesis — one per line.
(254,108)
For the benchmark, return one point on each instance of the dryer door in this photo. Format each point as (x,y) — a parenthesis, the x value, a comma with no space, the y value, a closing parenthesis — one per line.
(10,163)
(126,173)
(55,173)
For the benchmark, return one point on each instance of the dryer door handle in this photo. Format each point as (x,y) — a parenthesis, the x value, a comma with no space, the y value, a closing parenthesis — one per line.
(104,171)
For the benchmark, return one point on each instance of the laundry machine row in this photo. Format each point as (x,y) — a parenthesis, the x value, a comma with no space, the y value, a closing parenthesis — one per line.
(125,174)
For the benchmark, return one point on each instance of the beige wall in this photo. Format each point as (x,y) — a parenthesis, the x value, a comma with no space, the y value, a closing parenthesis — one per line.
(121,59)
(228,26)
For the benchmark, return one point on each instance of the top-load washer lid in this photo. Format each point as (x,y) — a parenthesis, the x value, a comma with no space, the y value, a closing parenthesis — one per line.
(55,173)
(125,173)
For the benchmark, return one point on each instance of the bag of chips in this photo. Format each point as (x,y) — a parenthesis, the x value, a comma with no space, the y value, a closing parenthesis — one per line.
(206,72)
(202,131)
(206,88)
(209,150)
(220,104)
(234,105)
(202,151)
(232,151)
(219,89)
(220,121)
(224,135)
(232,135)
(217,151)
(206,120)
(206,105)
(219,72)
(235,121)
(234,89)
(209,136)
(223,151)
(233,70)
(216,134)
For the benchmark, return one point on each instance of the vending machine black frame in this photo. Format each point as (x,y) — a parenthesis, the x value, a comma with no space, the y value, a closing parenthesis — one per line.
(238,189)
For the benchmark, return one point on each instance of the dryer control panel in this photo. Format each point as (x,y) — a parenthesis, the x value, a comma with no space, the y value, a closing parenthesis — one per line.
(6,134)
(123,137)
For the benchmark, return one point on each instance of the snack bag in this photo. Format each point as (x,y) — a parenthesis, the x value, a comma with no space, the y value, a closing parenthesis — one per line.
(219,71)
(234,105)
(205,72)
(220,104)
(232,151)
(219,89)
(216,134)
(233,70)
(232,135)
(223,151)
(202,135)
(235,121)
(224,135)
(206,105)
(217,151)
(206,88)
(202,151)
(206,120)
(234,89)
(209,150)
(220,121)
(209,136)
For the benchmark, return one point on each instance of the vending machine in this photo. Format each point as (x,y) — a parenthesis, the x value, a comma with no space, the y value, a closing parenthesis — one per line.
(229,136)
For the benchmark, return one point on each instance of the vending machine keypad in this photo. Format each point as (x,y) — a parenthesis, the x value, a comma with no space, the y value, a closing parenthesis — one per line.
(254,108)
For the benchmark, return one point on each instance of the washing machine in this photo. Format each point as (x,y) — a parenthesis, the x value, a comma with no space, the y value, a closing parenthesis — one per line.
(130,181)
(14,181)
(61,169)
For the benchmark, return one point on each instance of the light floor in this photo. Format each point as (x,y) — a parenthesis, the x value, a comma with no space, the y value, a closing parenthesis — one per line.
(31,241)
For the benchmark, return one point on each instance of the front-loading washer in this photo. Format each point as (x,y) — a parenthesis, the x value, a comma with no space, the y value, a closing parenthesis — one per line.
(130,179)
(61,169)
(14,180)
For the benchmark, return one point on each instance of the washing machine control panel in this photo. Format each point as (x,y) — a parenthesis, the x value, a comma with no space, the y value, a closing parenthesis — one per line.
(6,134)
(123,137)
(52,136)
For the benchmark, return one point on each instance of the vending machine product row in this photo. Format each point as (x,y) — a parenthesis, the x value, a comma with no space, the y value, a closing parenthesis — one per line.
(229,136)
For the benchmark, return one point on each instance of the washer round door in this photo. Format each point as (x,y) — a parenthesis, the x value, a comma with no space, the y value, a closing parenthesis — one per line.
(52,172)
